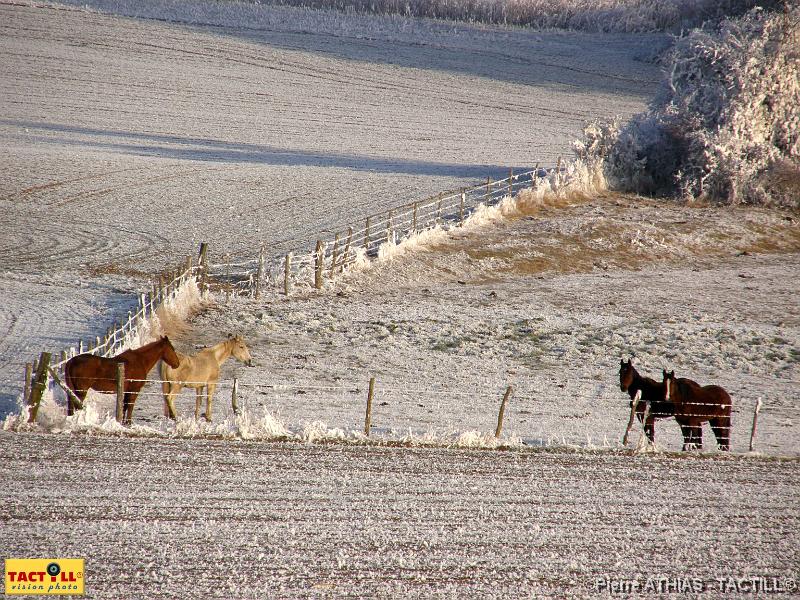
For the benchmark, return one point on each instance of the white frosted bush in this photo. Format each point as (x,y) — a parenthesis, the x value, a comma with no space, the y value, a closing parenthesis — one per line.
(726,126)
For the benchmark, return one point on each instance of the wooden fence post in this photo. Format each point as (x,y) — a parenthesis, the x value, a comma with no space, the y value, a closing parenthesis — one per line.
(461,209)
(414,219)
(287,273)
(260,272)
(366,236)
(39,384)
(558,173)
(634,405)
(26,390)
(502,412)
(488,187)
(318,262)
(755,423)
(202,264)
(334,255)
(439,210)
(389,227)
(346,256)
(368,416)
(234,391)
(227,278)
(511,181)
(120,391)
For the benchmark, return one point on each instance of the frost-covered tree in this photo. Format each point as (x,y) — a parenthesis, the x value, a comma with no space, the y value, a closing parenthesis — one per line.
(726,125)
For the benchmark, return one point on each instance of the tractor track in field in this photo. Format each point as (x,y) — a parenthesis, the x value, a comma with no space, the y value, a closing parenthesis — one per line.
(297,519)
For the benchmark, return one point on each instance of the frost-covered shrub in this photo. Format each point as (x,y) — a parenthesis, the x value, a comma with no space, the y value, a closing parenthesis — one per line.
(726,126)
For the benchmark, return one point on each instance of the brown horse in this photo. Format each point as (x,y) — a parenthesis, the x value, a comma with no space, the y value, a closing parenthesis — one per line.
(696,404)
(87,371)
(652,391)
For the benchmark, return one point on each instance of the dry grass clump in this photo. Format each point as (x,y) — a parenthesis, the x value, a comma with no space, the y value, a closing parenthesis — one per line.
(622,16)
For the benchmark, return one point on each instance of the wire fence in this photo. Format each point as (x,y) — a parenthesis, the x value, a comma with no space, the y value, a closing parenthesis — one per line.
(391,412)
(335,252)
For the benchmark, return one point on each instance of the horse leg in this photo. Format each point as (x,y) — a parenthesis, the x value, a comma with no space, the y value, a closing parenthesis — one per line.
(198,402)
(650,429)
(686,430)
(698,436)
(130,398)
(170,390)
(209,399)
(721,426)
(71,402)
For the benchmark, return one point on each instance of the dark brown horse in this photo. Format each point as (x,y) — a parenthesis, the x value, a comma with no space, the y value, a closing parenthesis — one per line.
(652,391)
(87,371)
(694,405)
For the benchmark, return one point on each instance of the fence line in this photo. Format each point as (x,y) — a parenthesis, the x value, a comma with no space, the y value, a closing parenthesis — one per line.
(339,250)
(236,391)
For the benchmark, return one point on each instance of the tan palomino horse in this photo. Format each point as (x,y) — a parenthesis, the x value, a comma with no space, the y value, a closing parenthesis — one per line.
(198,372)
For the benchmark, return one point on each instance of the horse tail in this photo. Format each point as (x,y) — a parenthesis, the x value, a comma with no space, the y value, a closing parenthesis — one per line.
(69,379)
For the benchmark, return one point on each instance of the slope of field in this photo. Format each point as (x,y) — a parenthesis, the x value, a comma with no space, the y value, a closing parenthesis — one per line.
(125,142)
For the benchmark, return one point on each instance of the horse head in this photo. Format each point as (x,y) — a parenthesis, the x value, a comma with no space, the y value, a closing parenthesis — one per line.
(669,382)
(168,353)
(239,350)
(626,373)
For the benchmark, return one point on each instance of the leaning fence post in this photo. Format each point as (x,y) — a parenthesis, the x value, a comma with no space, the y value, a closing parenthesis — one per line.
(39,384)
(755,423)
(120,391)
(234,390)
(368,416)
(26,390)
(318,265)
(634,405)
(502,412)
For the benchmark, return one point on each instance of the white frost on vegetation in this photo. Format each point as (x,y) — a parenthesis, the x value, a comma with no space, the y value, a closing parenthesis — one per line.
(726,127)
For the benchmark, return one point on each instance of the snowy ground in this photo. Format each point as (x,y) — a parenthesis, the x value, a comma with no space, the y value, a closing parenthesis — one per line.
(126,142)
(217,519)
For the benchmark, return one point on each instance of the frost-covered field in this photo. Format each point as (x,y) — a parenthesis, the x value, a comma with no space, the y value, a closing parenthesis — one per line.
(216,519)
(126,142)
